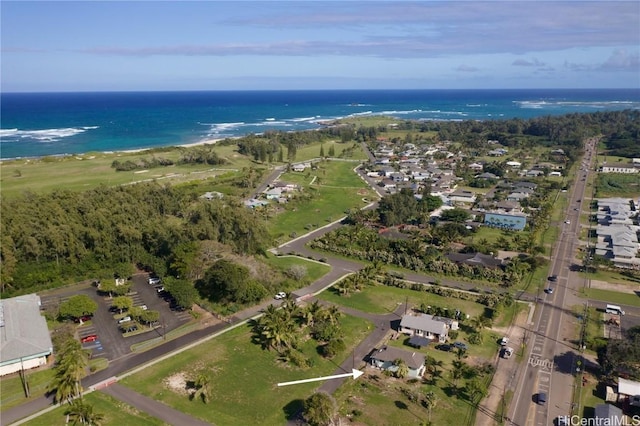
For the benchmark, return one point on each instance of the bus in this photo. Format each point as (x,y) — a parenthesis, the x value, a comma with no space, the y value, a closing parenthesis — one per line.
(614,309)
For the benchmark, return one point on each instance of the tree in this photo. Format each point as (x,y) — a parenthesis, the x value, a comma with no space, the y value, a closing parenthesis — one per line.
(78,306)
(182,290)
(82,413)
(320,409)
(456,215)
(321,151)
(122,303)
(430,401)
(69,371)
(203,387)
(403,368)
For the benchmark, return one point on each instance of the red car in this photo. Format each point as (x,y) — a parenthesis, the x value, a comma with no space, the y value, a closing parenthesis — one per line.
(89,338)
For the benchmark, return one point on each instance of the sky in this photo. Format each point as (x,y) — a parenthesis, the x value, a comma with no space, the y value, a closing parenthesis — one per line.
(268,45)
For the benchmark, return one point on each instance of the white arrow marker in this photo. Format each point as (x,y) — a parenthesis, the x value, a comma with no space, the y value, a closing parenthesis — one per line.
(354,373)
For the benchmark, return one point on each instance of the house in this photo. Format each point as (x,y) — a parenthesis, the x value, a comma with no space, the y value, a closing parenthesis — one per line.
(273,193)
(514,164)
(629,392)
(25,342)
(517,197)
(619,168)
(607,414)
(486,175)
(386,359)
(434,328)
(505,221)
(476,167)
(462,196)
(475,259)
(300,167)
(524,184)
(534,173)
(212,195)
(397,177)
(255,203)
(557,174)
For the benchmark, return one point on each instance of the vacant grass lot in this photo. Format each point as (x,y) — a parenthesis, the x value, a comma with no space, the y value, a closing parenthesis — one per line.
(381,299)
(336,190)
(315,270)
(617,185)
(244,378)
(611,296)
(114,412)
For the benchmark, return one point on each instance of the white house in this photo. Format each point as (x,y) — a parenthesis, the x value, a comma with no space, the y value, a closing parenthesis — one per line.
(428,326)
(385,359)
(25,342)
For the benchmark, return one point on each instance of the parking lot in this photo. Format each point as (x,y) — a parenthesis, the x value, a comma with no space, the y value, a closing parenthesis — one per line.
(109,341)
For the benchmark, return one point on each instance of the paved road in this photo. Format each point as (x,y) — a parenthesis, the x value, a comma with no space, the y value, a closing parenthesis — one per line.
(551,359)
(148,405)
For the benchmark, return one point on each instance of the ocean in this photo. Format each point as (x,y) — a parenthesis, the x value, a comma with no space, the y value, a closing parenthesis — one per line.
(42,124)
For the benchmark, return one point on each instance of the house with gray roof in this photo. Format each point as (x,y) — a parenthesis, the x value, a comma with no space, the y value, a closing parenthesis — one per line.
(25,342)
(386,359)
(434,328)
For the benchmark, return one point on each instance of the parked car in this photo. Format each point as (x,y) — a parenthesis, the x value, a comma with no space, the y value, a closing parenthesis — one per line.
(125,319)
(144,307)
(280,295)
(84,318)
(160,289)
(504,341)
(154,280)
(89,338)
(548,290)
(130,329)
(553,278)
(444,347)
(542,398)
(460,345)
(507,352)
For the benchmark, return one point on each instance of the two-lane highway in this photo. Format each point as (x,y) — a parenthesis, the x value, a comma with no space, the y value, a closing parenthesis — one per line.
(550,360)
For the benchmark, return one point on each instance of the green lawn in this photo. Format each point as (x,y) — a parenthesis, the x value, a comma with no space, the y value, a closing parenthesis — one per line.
(11,390)
(381,299)
(336,190)
(114,411)
(315,270)
(244,390)
(611,296)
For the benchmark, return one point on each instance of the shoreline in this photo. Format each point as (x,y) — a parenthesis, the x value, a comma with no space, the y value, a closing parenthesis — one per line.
(124,151)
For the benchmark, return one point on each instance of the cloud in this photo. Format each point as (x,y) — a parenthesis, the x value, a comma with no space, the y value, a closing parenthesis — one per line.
(466,68)
(524,63)
(621,60)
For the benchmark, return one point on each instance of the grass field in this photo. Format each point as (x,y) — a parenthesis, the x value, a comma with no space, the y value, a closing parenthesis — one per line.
(11,390)
(336,189)
(315,270)
(114,412)
(244,390)
(611,296)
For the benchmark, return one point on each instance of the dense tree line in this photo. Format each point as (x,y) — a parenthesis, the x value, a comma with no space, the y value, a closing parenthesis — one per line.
(50,238)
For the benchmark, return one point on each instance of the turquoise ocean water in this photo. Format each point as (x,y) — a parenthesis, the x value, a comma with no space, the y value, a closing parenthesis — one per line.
(39,124)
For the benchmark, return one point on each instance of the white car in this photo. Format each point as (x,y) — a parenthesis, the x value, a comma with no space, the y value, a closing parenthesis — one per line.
(280,295)
(144,307)
(507,352)
(125,319)
(504,341)
(154,281)
(568,222)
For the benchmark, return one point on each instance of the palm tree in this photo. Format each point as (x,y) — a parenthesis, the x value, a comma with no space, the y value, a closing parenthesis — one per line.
(402,370)
(430,401)
(69,371)
(82,413)
(203,385)
(312,313)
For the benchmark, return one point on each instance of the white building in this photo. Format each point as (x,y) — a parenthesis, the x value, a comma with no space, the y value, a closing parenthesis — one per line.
(25,342)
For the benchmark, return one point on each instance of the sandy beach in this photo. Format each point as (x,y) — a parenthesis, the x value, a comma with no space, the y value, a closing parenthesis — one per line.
(186,145)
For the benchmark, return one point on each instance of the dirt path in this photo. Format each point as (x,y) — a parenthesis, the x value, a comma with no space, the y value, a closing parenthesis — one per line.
(505,373)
